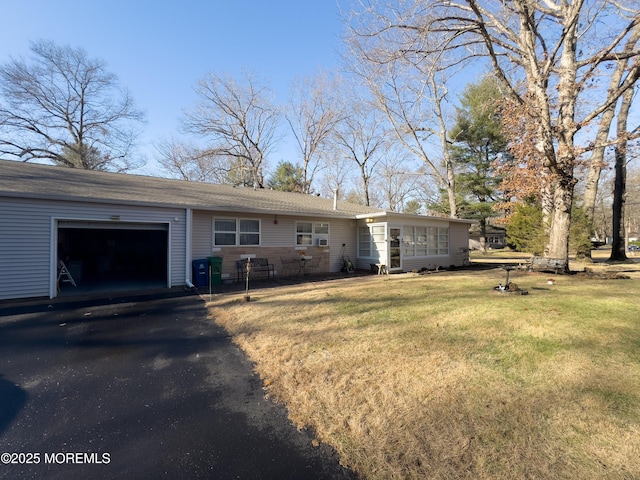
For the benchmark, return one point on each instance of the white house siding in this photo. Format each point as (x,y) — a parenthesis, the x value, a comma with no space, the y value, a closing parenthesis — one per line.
(277,236)
(458,241)
(27,236)
(342,232)
(201,234)
(417,263)
(271,234)
(25,243)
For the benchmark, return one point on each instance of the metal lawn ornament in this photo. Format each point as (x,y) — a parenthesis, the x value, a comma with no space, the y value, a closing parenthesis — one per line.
(246,295)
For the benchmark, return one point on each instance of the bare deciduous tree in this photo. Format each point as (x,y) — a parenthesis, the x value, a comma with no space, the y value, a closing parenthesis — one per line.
(395,185)
(239,121)
(190,163)
(602,138)
(65,107)
(545,53)
(315,108)
(361,137)
(335,176)
(411,91)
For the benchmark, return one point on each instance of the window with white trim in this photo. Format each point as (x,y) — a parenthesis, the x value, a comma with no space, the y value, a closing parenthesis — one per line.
(372,241)
(364,242)
(308,233)
(425,241)
(408,241)
(236,232)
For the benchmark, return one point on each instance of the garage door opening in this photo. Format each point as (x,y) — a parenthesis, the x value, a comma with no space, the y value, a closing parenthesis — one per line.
(105,258)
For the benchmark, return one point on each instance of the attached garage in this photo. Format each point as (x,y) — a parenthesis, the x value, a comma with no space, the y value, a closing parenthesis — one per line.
(100,255)
(50,215)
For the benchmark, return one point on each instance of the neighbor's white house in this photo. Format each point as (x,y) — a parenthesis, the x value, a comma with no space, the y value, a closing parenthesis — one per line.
(147,231)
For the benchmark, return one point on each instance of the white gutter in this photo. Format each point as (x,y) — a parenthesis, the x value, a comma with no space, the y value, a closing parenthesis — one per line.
(187,250)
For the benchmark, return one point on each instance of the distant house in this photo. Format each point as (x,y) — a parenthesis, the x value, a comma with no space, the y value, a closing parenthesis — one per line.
(496,237)
(109,228)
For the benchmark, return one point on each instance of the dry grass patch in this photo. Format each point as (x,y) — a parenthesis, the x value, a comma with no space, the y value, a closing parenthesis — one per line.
(437,376)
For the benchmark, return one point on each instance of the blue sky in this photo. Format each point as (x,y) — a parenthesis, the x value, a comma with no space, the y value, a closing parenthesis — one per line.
(160,49)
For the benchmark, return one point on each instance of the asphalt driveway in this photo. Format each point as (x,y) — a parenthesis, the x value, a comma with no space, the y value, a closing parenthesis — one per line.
(139,387)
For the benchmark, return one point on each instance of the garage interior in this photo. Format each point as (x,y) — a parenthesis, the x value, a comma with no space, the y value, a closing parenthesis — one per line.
(102,259)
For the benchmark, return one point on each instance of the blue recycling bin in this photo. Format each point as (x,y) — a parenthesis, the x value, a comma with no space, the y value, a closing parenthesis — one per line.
(200,272)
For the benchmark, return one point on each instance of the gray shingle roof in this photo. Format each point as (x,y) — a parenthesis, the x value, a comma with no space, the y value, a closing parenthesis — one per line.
(26,180)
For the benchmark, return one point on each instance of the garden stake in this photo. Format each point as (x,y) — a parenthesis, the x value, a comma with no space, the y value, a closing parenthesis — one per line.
(246,295)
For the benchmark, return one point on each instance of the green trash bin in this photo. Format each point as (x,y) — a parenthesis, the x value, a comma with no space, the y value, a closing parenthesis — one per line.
(215,270)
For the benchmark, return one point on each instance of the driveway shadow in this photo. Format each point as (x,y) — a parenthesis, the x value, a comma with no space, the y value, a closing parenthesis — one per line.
(13,399)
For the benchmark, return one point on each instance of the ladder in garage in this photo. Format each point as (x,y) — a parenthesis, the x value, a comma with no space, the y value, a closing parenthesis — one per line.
(64,275)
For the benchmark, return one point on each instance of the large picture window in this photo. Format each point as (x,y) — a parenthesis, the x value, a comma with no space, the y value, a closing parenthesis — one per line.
(235,232)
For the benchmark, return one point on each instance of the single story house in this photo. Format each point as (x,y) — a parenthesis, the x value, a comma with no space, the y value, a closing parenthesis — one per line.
(495,237)
(146,231)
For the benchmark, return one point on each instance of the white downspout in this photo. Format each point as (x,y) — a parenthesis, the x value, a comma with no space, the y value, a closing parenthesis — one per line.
(187,249)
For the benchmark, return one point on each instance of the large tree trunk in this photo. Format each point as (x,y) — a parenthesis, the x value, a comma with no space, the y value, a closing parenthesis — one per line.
(558,246)
(618,252)
(618,248)
(591,189)
(451,193)
(596,162)
(562,166)
(365,184)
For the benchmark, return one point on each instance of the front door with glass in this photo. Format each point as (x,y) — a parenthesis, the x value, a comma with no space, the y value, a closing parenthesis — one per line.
(394,248)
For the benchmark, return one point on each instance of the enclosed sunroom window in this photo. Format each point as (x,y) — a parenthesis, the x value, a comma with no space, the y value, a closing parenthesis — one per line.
(425,241)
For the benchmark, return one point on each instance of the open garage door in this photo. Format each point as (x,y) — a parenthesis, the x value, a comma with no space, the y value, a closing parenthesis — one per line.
(103,256)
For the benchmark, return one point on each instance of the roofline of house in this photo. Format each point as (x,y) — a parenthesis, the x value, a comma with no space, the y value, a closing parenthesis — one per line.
(181,206)
(285,206)
(380,214)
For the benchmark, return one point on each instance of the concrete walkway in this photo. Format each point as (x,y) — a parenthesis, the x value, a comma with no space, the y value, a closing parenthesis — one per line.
(138,388)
